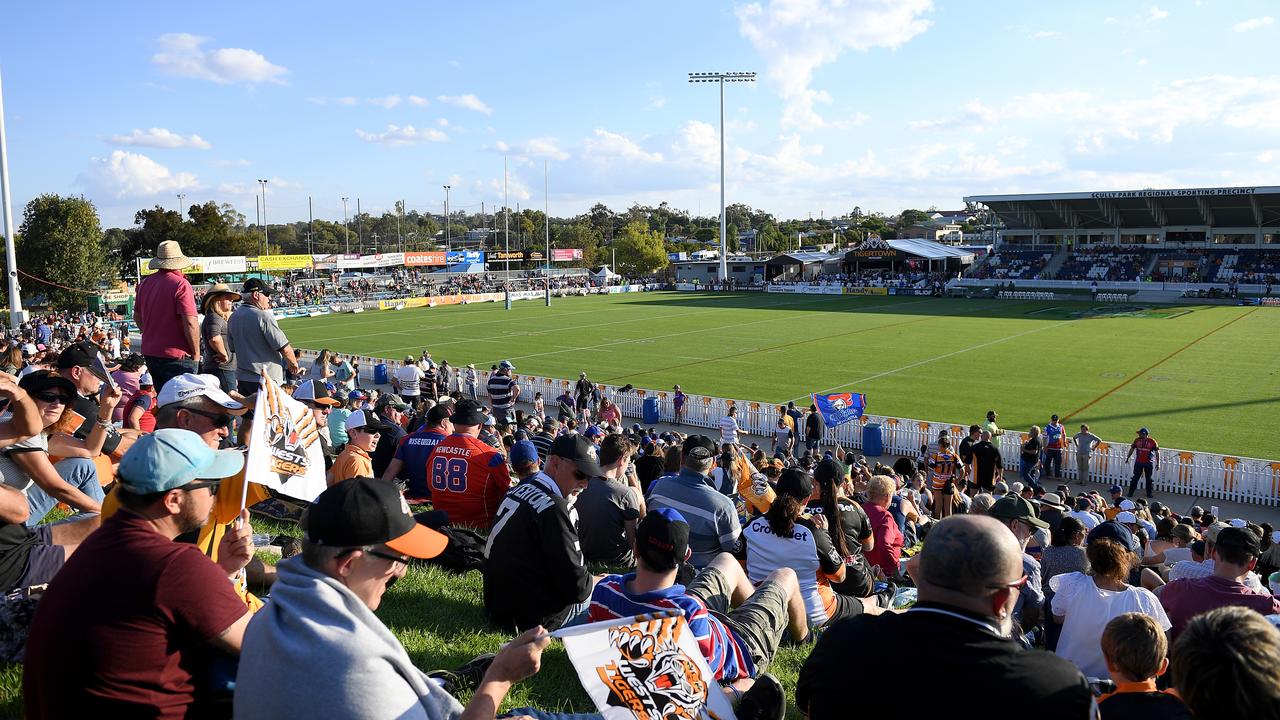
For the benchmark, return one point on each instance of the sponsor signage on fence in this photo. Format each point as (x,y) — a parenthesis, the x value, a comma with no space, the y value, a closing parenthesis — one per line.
(207,265)
(464,256)
(507,256)
(566,255)
(805,289)
(419,259)
(284,262)
(866,291)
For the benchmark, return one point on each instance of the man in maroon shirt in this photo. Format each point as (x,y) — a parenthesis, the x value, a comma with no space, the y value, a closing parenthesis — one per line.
(887,550)
(165,311)
(130,625)
(1235,554)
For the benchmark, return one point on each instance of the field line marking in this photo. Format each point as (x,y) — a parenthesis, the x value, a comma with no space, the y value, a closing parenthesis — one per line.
(1155,365)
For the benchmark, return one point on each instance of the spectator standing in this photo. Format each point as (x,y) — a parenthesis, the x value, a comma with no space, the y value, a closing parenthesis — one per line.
(470,381)
(143,646)
(712,516)
(1029,462)
(1085,603)
(814,428)
(583,390)
(988,466)
(408,381)
(165,310)
(503,392)
(990,424)
(1147,461)
(1085,443)
(729,427)
(217,357)
(468,477)
(258,342)
(783,439)
(944,467)
(534,573)
(678,399)
(969,576)
(1055,446)
(344,375)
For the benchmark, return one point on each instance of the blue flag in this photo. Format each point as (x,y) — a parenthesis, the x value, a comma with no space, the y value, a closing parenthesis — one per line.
(840,408)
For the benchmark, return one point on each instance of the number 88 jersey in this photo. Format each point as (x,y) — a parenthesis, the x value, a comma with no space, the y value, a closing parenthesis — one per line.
(468,479)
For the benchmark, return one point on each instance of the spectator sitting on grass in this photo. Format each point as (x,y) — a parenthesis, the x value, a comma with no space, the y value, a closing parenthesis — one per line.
(712,517)
(363,430)
(737,626)
(127,627)
(886,550)
(1235,554)
(410,460)
(610,506)
(1134,646)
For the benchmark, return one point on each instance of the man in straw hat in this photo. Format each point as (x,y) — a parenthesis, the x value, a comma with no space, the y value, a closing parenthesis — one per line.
(165,310)
(215,336)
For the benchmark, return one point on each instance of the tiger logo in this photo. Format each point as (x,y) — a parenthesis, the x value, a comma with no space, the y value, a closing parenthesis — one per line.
(653,677)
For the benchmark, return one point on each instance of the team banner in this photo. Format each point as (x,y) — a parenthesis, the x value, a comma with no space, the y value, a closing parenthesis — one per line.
(646,667)
(284,262)
(284,447)
(418,259)
(840,408)
(566,255)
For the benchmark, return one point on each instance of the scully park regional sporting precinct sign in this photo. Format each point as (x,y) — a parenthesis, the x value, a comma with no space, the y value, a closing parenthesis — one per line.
(1182,192)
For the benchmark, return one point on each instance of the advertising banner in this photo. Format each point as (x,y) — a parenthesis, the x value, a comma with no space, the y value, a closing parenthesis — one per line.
(210,265)
(566,255)
(284,262)
(464,256)
(419,259)
(866,291)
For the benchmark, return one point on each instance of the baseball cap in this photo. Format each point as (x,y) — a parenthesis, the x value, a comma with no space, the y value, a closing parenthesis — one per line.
(1116,489)
(390,400)
(699,446)
(506,365)
(1126,518)
(1238,522)
(189,385)
(1143,431)
(662,538)
(524,452)
(1016,488)
(637,428)
(357,395)
(83,354)
(365,511)
(1001,487)
(795,483)
(256,285)
(593,431)
(367,421)
(439,413)
(1240,539)
(1196,511)
(145,380)
(580,451)
(468,412)
(1127,504)
(314,391)
(47,380)
(1015,507)
(1112,530)
(408,358)
(171,458)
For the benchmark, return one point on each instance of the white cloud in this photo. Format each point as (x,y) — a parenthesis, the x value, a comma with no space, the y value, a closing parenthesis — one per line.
(974,116)
(1253,24)
(443,122)
(797,37)
(387,102)
(1155,14)
(418,101)
(408,135)
(132,175)
(469,102)
(348,100)
(159,138)
(181,54)
(605,145)
(539,147)
(1045,34)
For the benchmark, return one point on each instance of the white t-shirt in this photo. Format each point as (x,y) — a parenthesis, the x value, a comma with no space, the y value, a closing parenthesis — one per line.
(728,429)
(409,377)
(1085,610)
(10,473)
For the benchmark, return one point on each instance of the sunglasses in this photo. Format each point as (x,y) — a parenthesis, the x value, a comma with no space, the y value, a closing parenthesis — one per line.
(213,486)
(52,398)
(366,431)
(219,420)
(378,554)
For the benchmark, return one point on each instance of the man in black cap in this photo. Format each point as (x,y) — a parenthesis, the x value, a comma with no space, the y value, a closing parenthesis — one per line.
(79,364)
(535,573)
(712,517)
(468,478)
(259,343)
(1234,555)
(410,460)
(1019,515)
(969,576)
(393,412)
(319,650)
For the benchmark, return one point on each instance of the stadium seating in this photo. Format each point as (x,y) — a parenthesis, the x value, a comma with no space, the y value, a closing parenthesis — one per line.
(1104,264)
(1013,265)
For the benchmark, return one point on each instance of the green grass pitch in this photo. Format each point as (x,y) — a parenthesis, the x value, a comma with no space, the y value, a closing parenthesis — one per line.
(1201,377)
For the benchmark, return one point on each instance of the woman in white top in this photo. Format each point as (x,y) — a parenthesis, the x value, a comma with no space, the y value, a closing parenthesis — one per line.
(1085,603)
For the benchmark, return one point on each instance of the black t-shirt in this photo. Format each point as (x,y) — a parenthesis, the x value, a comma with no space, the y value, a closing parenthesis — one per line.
(813,427)
(87,408)
(1143,706)
(978,673)
(16,542)
(385,450)
(965,451)
(986,458)
(1031,450)
(648,469)
(853,520)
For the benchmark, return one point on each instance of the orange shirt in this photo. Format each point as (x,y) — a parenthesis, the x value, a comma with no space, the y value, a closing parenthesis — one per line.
(944,464)
(351,462)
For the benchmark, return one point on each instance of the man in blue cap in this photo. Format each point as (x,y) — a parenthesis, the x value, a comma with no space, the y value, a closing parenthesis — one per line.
(127,627)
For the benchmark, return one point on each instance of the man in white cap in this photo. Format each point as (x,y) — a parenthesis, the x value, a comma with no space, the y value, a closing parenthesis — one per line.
(165,310)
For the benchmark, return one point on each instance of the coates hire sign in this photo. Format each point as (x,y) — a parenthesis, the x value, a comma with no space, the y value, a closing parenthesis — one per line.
(1185,192)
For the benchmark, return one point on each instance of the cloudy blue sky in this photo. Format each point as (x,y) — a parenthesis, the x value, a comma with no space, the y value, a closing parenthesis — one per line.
(882,104)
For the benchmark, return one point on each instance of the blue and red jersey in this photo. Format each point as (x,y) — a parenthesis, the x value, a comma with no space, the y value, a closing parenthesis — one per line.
(1145,447)
(468,480)
(414,451)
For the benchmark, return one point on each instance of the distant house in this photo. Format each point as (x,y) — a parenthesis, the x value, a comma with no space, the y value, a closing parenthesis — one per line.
(959,217)
(747,239)
(936,230)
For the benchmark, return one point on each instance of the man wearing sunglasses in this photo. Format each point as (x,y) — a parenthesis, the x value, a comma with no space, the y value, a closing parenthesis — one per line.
(316,396)
(1019,515)
(969,576)
(535,574)
(151,609)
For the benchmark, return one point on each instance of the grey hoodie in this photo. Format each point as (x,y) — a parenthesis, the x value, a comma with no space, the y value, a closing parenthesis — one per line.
(317,651)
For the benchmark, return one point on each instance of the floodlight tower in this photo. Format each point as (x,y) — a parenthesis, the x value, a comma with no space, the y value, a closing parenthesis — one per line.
(722,78)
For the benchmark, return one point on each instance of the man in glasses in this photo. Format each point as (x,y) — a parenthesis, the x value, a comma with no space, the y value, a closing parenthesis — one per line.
(969,576)
(364,428)
(535,573)
(316,396)
(1019,515)
(197,403)
(128,625)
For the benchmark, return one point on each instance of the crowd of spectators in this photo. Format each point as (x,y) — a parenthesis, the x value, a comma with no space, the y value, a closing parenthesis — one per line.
(138,602)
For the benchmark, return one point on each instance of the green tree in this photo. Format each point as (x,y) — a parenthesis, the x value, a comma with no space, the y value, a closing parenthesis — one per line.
(582,236)
(911,217)
(731,232)
(61,241)
(639,250)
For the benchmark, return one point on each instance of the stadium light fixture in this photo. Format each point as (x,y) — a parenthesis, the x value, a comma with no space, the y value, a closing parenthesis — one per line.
(722,78)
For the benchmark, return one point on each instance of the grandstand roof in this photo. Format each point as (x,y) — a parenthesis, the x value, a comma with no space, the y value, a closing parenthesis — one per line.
(800,258)
(1108,209)
(930,249)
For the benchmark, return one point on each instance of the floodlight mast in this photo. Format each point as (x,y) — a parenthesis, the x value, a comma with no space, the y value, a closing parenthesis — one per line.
(722,78)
